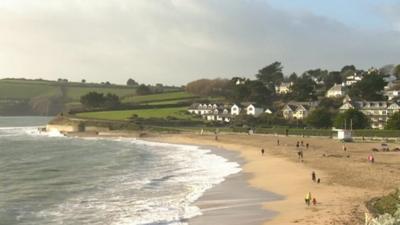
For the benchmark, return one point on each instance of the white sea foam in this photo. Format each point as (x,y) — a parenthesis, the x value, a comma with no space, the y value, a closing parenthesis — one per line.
(166,194)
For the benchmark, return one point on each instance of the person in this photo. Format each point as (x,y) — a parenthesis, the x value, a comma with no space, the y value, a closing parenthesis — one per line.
(371,159)
(308,198)
(277,142)
(216,134)
(314,201)
(297,145)
(344,148)
(287,132)
(201,132)
(318,180)
(299,154)
(262,152)
(313,176)
(307,145)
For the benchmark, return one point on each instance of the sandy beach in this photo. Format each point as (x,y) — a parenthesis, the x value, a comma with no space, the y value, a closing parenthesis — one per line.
(348,180)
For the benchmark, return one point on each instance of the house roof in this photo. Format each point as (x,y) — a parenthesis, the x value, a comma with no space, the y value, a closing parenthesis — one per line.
(336,87)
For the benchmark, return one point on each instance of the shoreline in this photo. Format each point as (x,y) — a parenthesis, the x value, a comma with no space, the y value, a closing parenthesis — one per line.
(233,201)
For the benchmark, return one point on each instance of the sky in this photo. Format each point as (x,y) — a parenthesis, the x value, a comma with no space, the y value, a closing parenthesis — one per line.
(177,41)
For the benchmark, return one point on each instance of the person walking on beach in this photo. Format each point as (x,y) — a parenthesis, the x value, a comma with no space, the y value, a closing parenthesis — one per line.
(344,148)
(307,145)
(313,176)
(371,159)
(307,199)
(216,134)
(262,152)
(314,201)
(277,142)
(297,145)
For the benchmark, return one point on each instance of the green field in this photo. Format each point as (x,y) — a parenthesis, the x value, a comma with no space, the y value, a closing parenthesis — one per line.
(178,112)
(27,89)
(169,96)
(74,93)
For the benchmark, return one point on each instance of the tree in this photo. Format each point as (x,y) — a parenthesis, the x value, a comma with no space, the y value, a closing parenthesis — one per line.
(303,89)
(206,87)
(332,78)
(111,101)
(394,122)
(131,82)
(143,90)
(320,118)
(92,100)
(348,68)
(331,104)
(370,87)
(317,74)
(251,91)
(259,93)
(396,71)
(271,75)
(352,118)
(293,77)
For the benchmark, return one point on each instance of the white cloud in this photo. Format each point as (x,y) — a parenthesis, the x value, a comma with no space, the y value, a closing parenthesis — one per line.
(174,41)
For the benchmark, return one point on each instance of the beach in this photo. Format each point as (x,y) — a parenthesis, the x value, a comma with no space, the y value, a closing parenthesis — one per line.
(234,202)
(348,180)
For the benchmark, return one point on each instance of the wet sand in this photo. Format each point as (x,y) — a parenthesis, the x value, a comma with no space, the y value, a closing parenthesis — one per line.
(234,202)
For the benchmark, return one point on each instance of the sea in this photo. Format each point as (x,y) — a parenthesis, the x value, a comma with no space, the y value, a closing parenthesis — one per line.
(46,178)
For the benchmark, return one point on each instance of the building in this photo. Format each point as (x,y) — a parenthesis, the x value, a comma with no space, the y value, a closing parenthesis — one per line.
(336,91)
(391,94)
(221,114)
(225,113)
(298,110)
(235,110)
(253,110)
(268,111)
(377,111)
(353,79)
(283,88)
(202,109)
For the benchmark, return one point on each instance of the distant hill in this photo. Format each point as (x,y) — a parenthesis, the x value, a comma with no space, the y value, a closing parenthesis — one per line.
(44,97)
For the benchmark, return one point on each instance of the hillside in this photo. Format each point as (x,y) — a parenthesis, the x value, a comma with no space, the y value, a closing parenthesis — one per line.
(42,97)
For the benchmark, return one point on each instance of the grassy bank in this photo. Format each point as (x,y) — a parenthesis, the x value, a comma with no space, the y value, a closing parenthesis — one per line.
(123,115)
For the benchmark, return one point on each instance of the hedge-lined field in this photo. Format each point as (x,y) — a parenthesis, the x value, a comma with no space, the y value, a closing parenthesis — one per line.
(177,112)
(167,96)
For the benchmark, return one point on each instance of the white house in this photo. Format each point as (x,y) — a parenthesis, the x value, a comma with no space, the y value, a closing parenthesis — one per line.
(353,79)
(268,111)
(235,110)
(253,110)
(283,88)
(298,110)
(336,91)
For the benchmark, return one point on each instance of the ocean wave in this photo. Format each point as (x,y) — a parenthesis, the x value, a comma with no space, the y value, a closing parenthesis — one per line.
(165,194)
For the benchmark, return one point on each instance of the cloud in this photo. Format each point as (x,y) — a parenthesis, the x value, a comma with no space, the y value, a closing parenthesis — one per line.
(175,41)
